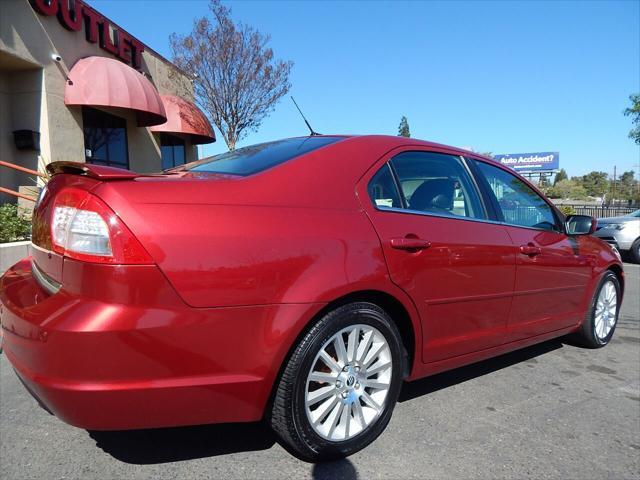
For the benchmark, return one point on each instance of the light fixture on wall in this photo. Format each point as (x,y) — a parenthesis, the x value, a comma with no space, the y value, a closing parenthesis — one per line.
(27,140)
(56,57)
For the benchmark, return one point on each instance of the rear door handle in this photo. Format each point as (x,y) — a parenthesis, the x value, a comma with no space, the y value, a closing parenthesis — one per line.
(530,250)
(410,243)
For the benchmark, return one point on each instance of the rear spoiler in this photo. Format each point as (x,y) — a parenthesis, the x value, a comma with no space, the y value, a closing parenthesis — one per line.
(98,172)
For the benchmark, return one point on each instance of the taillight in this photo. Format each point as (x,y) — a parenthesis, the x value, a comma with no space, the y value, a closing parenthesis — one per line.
(85,228)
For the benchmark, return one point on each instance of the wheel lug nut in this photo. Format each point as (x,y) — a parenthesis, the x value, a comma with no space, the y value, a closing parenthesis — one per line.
(345,368)
(357,369)
(345,394)
(357,385)
(338,383)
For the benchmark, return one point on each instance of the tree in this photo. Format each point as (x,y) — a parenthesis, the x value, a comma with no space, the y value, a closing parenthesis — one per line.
(561,175)
(627,178)
(567,189)
(634,113)
(595,183)
(627,186)
(236,79)
(403,128)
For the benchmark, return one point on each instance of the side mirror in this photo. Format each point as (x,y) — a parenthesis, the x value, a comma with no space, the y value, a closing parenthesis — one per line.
(580,225)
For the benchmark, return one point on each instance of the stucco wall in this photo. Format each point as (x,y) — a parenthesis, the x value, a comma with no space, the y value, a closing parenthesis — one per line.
(12,253)
(39,96)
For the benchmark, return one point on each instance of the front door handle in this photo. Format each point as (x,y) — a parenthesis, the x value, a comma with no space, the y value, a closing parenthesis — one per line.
(411,244)
(530,250)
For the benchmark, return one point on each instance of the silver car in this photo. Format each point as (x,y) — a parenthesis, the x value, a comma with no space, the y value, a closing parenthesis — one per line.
(622,233)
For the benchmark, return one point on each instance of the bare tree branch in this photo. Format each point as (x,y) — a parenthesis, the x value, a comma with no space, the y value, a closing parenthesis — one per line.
(237,81)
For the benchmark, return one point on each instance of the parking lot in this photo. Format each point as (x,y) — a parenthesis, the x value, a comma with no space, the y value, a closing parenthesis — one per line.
(549,411)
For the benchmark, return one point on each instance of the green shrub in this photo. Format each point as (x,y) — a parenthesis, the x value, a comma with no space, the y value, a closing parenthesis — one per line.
(567,210)
(12,226)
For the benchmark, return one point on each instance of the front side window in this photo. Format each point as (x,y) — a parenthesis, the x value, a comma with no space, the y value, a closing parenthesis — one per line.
(105,138)
(172,150)
(438,184)
(518,203)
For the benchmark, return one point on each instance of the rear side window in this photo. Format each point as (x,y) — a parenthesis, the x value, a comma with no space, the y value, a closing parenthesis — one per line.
(519,204)
(256,158)
(438,184)
(382,189)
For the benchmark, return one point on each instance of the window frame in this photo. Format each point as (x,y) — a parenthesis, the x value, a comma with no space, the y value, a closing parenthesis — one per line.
(486,212)
(175,141)
(86,110)
(492,200)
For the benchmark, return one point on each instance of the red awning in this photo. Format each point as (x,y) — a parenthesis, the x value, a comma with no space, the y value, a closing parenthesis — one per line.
(106,82)
(184,117)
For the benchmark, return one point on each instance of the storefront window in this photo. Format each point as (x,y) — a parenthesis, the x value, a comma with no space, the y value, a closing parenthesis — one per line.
(172,151)
(105,138)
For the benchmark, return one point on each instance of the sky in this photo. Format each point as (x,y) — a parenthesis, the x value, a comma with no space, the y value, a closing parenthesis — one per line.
(500,77)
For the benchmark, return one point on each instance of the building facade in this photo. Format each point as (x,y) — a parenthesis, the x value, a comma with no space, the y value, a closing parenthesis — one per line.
(75,86)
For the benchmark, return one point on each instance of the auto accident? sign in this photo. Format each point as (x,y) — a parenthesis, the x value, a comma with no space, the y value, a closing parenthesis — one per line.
(530,162)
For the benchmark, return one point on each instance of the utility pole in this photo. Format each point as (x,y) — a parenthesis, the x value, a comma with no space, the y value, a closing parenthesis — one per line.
(637,173)
(613,194)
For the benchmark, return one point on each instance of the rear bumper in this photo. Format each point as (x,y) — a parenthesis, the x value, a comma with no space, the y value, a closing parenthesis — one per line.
(148,362)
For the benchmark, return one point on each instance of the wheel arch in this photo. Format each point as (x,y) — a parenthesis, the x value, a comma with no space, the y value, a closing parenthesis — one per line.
(390,304)
(619,273)
(399,311)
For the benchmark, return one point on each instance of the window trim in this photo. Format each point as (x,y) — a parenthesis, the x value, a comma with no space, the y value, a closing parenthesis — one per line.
(396,182)
(457,217)
(437,215)
(494,201)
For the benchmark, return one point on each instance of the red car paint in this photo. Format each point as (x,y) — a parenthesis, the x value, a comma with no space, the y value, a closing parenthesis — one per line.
(240,266)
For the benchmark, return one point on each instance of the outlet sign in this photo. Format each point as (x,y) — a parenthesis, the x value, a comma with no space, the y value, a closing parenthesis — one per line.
(530,162)
(75,15)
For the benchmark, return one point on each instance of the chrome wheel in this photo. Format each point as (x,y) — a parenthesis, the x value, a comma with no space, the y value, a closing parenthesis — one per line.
(606,310)
(348,383)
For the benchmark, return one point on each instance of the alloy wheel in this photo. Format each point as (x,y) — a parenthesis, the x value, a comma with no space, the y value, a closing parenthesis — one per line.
(606,310)
(348,383)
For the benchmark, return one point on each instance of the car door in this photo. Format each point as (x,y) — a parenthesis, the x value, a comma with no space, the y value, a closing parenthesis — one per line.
(457,266)
(552,272)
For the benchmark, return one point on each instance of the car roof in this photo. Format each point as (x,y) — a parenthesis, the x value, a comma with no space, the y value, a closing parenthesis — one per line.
(399,141)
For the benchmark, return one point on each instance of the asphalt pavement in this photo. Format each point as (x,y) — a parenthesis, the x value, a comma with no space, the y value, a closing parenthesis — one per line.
(549,411)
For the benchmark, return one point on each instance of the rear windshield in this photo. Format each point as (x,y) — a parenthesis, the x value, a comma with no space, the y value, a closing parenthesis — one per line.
(256,158)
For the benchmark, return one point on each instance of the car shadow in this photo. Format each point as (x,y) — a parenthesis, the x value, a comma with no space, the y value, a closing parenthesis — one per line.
(338,470)
(163,445)
(447,379)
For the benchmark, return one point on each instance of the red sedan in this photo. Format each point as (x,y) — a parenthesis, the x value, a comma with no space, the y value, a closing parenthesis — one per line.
(299,281)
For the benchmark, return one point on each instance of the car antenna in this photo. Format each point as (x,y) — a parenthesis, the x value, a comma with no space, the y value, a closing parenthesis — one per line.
(313,132)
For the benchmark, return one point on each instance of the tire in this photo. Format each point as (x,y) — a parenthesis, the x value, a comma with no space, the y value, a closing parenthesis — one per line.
(635,251)
(336,396)
(596,331)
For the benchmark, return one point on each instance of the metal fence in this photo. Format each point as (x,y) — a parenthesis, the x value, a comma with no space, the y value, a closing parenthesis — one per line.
(601,211)
(522,215)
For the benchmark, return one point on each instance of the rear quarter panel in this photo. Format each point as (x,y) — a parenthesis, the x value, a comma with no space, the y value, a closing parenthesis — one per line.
(225,255)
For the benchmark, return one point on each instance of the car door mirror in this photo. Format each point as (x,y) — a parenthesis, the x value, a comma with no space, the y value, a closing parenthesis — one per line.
(580,225)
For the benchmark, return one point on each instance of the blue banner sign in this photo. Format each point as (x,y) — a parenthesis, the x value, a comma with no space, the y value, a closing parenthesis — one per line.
(530,162)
